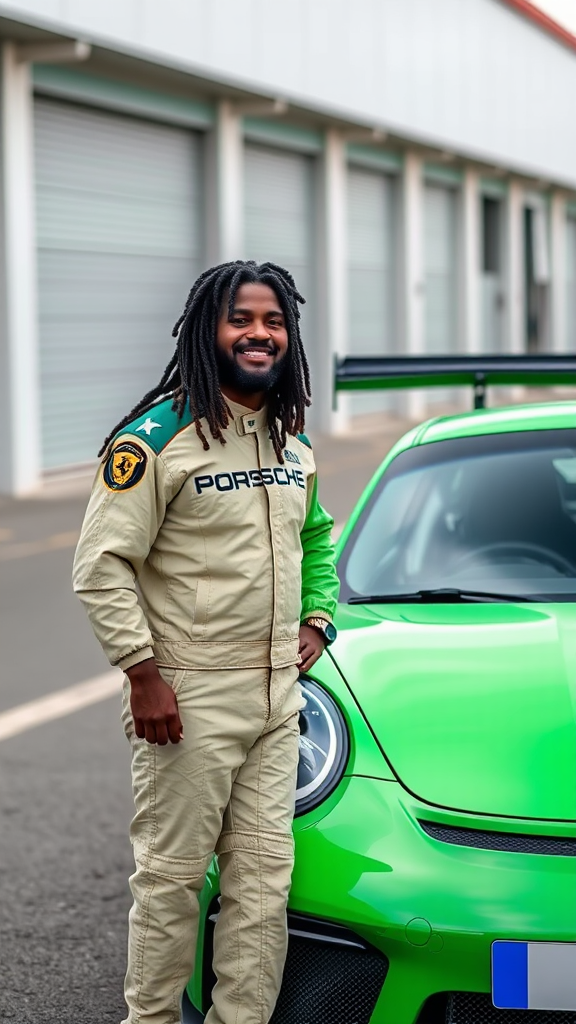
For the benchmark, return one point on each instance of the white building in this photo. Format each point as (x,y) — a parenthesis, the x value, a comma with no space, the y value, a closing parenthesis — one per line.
(413,162)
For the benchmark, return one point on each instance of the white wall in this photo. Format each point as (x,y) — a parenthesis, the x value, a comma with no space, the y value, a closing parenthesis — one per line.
(473,75)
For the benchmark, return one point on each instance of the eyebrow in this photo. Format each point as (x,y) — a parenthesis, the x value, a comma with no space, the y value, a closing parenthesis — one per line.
(270,312)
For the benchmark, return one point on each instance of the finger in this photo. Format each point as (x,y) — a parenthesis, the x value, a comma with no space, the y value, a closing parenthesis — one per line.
(161,734)
(312,656)
(150,732)
(305,648)
(180,727)
(175,731)
(139,728)
(307,662)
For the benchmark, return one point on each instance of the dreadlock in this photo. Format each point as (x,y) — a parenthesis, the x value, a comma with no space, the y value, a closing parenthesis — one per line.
(191,376)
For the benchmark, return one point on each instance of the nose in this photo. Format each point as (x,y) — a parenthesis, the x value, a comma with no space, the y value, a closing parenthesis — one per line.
(259,332)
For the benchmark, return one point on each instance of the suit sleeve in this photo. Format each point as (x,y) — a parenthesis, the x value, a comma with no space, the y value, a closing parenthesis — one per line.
(119,529)
(320,584)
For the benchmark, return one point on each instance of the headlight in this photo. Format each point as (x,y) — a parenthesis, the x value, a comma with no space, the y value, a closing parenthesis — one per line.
(323,747)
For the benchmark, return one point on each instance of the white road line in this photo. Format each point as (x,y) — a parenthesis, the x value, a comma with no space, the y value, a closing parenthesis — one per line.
(59,704)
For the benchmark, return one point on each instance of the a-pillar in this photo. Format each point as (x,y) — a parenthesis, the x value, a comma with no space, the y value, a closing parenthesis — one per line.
(332,334)
(412,271)
(20,458)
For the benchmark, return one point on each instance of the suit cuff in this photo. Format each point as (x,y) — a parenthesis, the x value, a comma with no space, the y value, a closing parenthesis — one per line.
(135,658)
(316,613)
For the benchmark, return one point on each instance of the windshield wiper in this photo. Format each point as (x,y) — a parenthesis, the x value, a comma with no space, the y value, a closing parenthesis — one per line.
(439,595)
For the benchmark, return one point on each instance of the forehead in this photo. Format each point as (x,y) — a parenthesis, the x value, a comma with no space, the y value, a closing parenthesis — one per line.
(252,294)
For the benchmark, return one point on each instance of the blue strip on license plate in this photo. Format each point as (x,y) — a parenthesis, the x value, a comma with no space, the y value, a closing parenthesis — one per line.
(534,975)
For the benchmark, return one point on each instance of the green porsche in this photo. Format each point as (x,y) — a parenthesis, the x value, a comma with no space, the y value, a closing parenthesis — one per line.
(435,827)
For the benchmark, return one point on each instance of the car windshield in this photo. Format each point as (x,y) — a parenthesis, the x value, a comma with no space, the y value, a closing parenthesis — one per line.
(494,515)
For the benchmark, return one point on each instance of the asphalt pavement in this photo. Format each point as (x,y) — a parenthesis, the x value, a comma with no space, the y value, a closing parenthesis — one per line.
(65,800)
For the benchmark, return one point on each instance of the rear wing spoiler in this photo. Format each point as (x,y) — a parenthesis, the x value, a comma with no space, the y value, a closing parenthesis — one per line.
(362,373)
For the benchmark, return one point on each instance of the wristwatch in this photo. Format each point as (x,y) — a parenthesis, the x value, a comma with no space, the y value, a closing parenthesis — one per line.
(324,627)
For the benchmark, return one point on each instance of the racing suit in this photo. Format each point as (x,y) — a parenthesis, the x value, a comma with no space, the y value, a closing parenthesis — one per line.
(230,551)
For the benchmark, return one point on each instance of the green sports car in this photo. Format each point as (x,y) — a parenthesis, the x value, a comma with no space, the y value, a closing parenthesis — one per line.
(435,878)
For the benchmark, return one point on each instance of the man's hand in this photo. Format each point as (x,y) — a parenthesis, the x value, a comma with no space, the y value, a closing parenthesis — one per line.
(311,646)
(153,704)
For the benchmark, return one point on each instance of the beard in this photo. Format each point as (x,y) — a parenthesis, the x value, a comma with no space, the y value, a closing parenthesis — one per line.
(250,381)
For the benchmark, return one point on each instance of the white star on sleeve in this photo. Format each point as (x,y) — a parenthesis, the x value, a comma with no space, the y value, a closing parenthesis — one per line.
(148,426)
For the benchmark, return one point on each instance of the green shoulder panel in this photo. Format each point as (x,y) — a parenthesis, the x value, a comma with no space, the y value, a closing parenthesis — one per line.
(158,425)
(305,440)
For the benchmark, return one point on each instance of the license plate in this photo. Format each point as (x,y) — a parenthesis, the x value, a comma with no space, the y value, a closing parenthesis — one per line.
(534,975)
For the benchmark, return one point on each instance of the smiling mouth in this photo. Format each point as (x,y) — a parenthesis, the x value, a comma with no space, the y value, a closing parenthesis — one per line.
(255,353)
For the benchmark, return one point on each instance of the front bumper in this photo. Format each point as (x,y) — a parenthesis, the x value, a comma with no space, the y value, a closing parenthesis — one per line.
(431,908)
(427,911)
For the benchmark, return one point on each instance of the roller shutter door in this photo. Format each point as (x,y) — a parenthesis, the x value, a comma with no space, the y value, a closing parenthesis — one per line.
(371,278)
(440,269)
(119,243)
(571,285)
(279,222)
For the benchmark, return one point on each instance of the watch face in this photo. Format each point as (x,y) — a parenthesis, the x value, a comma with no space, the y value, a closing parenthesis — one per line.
(331,632)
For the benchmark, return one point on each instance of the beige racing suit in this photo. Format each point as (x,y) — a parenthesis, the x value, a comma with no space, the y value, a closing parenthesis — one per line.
(209,561)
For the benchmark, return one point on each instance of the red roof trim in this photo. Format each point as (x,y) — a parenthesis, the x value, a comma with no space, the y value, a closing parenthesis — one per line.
(544,22)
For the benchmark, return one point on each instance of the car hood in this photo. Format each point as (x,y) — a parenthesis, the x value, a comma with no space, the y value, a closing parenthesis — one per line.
(473,705)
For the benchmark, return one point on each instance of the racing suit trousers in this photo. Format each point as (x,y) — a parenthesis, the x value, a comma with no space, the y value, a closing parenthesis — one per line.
(228,787)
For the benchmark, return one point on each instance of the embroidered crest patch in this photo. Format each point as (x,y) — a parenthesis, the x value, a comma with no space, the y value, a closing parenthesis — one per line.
(291,456)
(125,467)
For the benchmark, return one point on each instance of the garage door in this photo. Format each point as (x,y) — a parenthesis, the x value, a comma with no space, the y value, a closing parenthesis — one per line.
(440,269)
(279,221)
(571,284)
(371,280)
(120,241)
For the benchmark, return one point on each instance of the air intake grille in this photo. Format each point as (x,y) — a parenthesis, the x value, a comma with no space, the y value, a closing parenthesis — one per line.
(476,1008)
(331,975)
(329,984)
(508,842)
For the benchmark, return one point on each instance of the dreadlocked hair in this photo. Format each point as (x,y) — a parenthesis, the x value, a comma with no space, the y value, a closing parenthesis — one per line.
(191,376)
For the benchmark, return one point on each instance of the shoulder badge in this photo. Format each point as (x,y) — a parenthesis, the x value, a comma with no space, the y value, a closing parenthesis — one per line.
(124,467)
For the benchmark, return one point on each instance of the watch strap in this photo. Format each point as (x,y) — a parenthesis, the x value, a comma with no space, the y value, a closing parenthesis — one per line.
(323,626)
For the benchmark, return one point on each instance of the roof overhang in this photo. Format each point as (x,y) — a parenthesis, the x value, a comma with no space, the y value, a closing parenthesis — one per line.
(544,21)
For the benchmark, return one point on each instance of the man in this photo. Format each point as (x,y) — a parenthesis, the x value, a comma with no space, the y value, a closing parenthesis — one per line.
(207,498)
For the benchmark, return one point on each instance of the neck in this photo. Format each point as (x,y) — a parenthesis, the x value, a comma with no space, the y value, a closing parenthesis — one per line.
(251,399)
